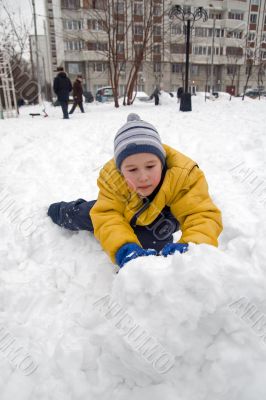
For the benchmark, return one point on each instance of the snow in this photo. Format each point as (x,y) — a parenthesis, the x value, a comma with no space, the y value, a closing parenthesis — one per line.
(187,327)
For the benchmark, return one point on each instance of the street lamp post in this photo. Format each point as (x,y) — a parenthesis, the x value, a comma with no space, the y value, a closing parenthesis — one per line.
(213,35)
(188,18)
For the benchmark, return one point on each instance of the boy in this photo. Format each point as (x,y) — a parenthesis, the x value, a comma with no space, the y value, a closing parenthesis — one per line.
(147,192)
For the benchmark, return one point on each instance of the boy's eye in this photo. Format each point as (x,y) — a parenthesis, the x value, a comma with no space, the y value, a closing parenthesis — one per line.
(132,170)
(150,166)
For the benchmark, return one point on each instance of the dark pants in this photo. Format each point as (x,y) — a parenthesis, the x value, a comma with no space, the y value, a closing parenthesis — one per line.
(75,216)
(75,104)
(64,106)
(156,99)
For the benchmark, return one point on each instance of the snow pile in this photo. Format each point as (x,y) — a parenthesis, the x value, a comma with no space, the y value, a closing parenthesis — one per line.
(186,327)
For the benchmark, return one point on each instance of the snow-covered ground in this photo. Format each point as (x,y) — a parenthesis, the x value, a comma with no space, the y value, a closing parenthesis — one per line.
(185,327)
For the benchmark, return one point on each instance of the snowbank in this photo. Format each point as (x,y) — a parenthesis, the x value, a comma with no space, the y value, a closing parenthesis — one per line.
(186,327)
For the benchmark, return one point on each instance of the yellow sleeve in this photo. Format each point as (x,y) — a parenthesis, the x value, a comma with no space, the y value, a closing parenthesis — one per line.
(200,220)
(110,226)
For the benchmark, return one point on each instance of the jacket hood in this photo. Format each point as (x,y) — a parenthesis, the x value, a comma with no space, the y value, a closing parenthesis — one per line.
(62,74)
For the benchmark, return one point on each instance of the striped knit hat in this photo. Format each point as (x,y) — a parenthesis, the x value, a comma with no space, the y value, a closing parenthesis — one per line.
(137,136)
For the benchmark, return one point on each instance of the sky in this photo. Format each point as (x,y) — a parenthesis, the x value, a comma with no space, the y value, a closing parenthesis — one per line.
(25,6)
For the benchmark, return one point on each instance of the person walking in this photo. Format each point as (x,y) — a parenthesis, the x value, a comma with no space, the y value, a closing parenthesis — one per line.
(77,95)
(62,87)
(180,91)
(155,95)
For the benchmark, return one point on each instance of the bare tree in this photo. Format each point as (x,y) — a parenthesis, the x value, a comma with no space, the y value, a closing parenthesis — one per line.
(250,63)
(128,26)
(14,38)
(260,73)
(138,51)
(14,32)
(232,71)
(111,18)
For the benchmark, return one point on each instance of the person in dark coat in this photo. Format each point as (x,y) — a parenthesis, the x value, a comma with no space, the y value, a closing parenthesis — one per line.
(155,95)
(180,91)
(62,87)
(77,95)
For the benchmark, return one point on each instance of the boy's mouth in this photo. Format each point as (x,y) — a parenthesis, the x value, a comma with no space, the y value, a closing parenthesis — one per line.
(144,187)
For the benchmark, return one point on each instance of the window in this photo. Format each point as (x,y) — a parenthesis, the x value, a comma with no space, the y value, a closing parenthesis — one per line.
(216,51)
(157,30)
(236,15)
(265,19)
(214,14)
(74,45)
(251,36)
(234,34)
(200,50)
(194,69)
(138,9)
(231,69)
(187,9)
(97,46)
(157,11)
(255,2)
(120,29)
(157,67)
(95,25)
(177,48)
(99,67)
(138,49)
(119,7)
(71,4)
(234,51)
(138,29)
(74,68)
(98,4)
(200,32)
(253,18)
(157,49)
(263,55)
(120,48)
(72,24)
(122,67)
(177,68)
(263,37)
(176,29)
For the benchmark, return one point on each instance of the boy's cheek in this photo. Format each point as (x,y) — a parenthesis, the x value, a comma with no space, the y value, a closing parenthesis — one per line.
(130,184)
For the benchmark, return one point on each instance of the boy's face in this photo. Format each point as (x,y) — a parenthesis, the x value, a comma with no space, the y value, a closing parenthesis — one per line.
(142,172)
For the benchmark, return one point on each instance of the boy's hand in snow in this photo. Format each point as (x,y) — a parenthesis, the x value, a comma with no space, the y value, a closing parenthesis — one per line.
(129,251)
(171,248)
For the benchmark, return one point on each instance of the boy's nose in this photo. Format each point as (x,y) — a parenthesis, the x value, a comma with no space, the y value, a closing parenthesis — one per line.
(143,177)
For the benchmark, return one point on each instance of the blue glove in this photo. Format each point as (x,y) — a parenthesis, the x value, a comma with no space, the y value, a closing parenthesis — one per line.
(170,248)
(129,251)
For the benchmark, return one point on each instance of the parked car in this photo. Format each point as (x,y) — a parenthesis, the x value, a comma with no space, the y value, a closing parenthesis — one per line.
(254,93)
(104,93)
(88,97)
(142,96)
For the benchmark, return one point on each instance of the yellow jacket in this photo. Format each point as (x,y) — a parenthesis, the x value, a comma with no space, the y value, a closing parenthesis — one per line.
(184,190)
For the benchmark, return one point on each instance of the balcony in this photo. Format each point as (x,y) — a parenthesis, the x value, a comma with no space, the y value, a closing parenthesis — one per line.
(233,24)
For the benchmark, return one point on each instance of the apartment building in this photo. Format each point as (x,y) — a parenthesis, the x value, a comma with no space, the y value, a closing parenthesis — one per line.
(232,40)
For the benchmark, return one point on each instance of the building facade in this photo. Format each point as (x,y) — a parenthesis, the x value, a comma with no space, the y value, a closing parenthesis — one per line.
(225,50)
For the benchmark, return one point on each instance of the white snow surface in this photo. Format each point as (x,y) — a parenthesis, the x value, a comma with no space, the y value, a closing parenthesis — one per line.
(53,280)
